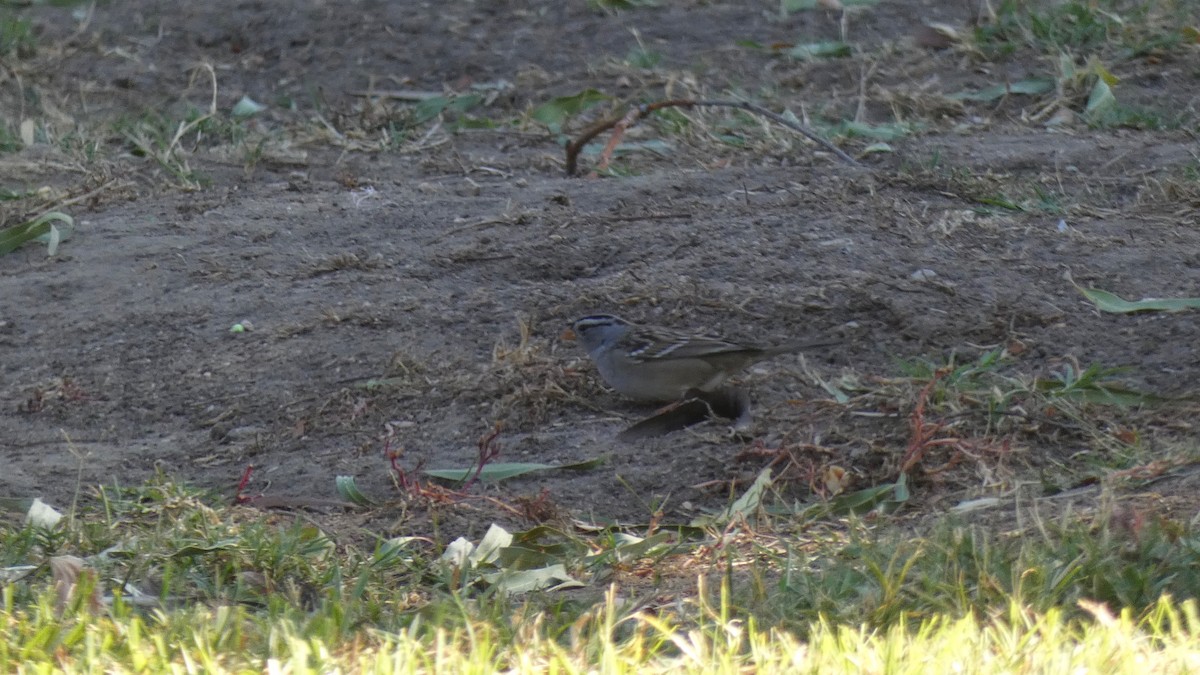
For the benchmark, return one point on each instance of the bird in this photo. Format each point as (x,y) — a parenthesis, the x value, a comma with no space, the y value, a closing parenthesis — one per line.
(653,364)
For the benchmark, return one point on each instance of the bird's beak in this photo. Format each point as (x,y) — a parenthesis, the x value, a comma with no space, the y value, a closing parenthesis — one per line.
(568,334)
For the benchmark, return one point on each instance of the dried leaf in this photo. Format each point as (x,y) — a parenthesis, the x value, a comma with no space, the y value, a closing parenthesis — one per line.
(936,36)
(66,571)
(837,480)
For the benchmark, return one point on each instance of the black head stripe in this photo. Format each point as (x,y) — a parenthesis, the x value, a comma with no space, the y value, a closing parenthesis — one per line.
(598,320)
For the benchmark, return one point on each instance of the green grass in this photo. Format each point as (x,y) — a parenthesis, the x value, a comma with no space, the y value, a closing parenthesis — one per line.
(1130,28)
(9,140)
(993,384)
(16,35)
(609,639)
(235,590)
(962,570)
(167,141)
(1143,118)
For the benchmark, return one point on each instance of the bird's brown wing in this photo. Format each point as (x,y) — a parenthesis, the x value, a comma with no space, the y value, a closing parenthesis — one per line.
(660,344)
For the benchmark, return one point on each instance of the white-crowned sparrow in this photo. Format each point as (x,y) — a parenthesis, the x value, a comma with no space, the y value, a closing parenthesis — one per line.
(656,364)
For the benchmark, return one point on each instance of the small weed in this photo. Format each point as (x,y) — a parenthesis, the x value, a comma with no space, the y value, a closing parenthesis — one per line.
(977,411)
(160,138)
(1094,384)
(640,57)
(969,384)
(16,36)
(1039,200)
(88,150)
(9,140)
(1047,202)
(671,122)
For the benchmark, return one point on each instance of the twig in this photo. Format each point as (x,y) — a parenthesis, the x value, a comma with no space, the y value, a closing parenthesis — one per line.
(399,94)
(864,74)
(648,216)
(922,437)
(627,119)
(88,195)
(489,450)
(239,496)
(625,122)
(486,222)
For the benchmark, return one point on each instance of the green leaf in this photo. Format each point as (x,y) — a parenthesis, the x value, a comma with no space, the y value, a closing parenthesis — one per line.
(1107,393)
(1001,201)
(639,57)
(41,228)
(494,551)
(522,558)
(901,493)
(503,470)
(838,395)
(653,145)
(630,547)
(190,550)
(488,550)
(51,239)
(552,578)
(1031,87)
(1093,384)
(247,107)
(393,550)
(864,500)
(556,112)
(1108,302)
(1101,100)
(820,50)
(9,195)
(861,501)
(350,492)
(429,108)
(1097,68)
(745,506)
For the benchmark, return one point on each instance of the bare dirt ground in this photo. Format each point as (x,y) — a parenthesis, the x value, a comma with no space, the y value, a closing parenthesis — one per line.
(358,252)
